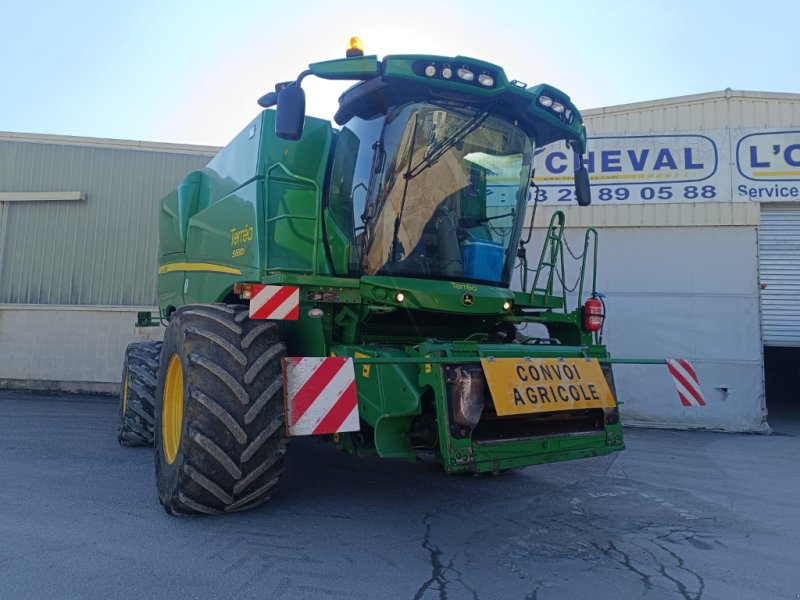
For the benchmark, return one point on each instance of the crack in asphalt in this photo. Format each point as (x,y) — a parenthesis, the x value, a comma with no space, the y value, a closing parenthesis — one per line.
(612,551)
(682,589)
(438,569)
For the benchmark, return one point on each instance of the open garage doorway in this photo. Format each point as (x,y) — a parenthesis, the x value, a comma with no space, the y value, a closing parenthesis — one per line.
(781,371)
(779,274)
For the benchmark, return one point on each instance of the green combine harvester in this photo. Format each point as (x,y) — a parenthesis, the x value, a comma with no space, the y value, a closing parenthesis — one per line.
(356,283)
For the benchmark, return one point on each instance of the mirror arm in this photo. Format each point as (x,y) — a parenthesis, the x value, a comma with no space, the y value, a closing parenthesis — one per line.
(302,76)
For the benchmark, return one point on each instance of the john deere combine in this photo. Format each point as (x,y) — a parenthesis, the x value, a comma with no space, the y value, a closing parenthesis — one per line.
(386,248)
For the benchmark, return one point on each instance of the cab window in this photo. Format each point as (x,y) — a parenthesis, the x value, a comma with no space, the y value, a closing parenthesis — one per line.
(350,178)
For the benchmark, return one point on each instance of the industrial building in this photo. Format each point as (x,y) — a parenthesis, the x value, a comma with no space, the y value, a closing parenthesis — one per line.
(78,243)
(696,201)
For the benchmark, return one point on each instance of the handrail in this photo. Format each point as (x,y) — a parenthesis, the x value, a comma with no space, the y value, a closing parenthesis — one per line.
(555,233)
(552,257)
(317,210)
(443,360)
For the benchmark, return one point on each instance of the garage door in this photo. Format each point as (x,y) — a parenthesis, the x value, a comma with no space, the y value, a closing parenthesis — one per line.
(779,262)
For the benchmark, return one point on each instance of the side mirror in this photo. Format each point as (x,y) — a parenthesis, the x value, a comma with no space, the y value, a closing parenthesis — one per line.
(268,100)
(583,190)
(291,113)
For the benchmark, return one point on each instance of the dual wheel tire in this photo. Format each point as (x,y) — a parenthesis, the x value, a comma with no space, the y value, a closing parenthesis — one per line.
(219,424)
(137,394)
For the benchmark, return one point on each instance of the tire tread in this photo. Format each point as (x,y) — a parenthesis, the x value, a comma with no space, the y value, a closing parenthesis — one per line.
(135,427)
(231,451)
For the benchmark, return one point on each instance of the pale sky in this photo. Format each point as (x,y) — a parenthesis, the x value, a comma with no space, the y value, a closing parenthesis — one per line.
(191,72)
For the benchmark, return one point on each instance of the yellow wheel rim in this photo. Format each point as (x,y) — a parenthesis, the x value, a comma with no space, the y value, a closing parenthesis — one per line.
(125,394)
(172,409)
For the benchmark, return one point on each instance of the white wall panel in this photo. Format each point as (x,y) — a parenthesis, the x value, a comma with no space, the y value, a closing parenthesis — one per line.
(733,393)
(691,326)
(682,292)
(76,348)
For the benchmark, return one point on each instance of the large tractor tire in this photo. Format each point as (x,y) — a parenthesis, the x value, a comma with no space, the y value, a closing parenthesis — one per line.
(137,394)
(219,428)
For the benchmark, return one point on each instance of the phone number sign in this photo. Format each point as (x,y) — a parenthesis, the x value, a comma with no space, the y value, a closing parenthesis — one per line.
(725,165)
(637,169)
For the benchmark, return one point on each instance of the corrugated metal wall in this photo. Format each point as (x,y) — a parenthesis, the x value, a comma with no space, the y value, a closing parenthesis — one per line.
(100,251)
(681,278)
(651,215)
(717,110)
(779,264)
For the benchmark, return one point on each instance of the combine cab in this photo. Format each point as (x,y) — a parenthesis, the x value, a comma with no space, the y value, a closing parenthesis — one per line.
(356,283)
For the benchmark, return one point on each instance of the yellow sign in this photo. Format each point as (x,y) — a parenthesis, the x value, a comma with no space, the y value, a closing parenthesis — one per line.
(364,368)
(522,385)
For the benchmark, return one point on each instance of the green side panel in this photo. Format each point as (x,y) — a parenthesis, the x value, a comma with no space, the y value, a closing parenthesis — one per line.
(338,244)
(177,208)
(203,287)
(293,204)
(229,224)
(307,157)
(388,398)
(294,183)
(169,231)
(227,234)
(169,288)
(236,164)
(189,192)
(306,337)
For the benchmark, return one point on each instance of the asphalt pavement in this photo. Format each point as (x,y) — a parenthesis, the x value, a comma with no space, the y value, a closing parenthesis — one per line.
(691,515)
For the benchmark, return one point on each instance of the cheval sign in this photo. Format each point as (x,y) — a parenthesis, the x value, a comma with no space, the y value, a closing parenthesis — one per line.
(717,166)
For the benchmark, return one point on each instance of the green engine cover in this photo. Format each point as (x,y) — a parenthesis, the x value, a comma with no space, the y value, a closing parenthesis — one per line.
(252,210)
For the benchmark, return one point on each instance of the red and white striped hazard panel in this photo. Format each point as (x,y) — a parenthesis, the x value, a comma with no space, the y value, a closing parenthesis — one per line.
(686,382)
(320,395)
(276,302)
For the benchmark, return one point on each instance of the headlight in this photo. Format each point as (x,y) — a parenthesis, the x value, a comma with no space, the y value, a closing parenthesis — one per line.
(465,74)
(545,101)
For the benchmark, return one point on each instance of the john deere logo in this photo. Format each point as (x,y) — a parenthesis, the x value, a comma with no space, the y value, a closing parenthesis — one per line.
(467,299)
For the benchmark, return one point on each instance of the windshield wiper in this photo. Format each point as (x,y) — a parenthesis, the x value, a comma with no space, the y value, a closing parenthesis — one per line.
(395,250)
(445,145)
(429,159)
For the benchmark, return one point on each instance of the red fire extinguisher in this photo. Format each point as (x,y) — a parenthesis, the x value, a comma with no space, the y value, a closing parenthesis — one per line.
(594,313)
